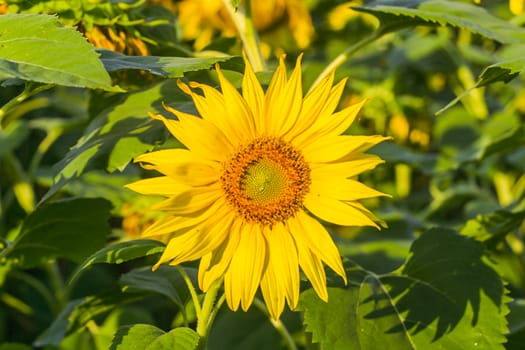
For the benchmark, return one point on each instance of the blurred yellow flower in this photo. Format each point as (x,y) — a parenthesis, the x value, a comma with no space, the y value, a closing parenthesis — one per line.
(340,15)
(201,20)
(116,40)
(515,6)
(258,170)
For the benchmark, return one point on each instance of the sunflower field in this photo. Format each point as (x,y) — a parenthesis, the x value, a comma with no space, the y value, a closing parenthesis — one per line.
(249,174)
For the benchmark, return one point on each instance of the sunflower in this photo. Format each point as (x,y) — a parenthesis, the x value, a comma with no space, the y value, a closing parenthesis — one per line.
(201,20)
(260,171)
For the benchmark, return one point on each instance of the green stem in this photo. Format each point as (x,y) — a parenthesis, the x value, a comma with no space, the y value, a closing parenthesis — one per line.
(205,319)
(57,283)
(342,57)
(29,90)
(278,325)
(43,147)
(191,288)
(215,310)
(242,18)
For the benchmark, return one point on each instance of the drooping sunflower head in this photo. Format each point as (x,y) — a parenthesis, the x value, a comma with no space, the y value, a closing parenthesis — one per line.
(260,170)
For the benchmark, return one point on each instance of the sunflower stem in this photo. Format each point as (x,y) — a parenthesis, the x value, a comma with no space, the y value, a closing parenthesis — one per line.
(30,89)
(207,314)
(243,20)
(191,288)
(278,325)
(342,57)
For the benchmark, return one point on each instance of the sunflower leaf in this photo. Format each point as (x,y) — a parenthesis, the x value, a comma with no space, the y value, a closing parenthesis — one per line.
(79,312)
(182,338)
(166,280)
(115,136)
(397,14)
(137,336)
(71,229)
(38,48)
(445,297)
(169,67)
(121,252)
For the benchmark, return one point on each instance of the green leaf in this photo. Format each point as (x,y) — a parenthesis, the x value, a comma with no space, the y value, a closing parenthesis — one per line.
(487,145)
(79,312)
(516,325)
(137,337)
(58,329)
(493,226)
(252,331)
(166,280)
(38,48)
(181,338)
(118,134)
(398,14)
(12,136)
(121,252)
(170,67)
(71,229)
(503,71)
(444,297)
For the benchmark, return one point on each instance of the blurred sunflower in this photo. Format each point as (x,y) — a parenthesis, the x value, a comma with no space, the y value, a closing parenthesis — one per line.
(201,20)
(515,6)
(105,24)
(259,169)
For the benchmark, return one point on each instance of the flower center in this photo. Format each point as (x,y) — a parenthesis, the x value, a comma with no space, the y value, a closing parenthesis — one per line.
(266,181)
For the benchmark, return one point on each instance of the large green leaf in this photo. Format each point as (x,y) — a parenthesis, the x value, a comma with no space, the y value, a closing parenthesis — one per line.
(181,338)
(79,312)
(397,14)
(171,67)
(166,280)
(516,325)
(444,297)
(38,48)
(118,134)
(71,229)
(137,336)
(12,136)
(121,252)
(252,331)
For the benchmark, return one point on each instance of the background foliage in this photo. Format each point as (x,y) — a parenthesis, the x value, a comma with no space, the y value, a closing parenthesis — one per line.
(441,77)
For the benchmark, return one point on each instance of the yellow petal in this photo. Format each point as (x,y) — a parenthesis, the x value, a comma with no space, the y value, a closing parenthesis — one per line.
(162,185)
(273,110)
(190,201)
(237,108)
(317,239)
(341,189)
(310,264)
(313,103)
(350,168)
(332,148)
(199,135)
(283,262)
(206,238)
(182,166)
(337,212)
(284,99)
(324,115)
(254,96)
(212,107)
(273,294)
(171,224)
(213,265)
(339,122)
(246,267)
